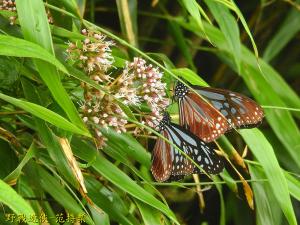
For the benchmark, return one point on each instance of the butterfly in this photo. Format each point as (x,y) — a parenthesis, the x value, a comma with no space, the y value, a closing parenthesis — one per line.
(222,111)
(170,164)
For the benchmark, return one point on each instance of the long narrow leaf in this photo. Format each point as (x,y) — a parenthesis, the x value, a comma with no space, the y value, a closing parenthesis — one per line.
(264,153)
(45,114)
(10,197)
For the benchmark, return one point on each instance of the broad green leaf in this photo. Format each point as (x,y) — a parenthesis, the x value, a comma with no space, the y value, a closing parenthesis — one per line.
(127,146)
(264,153)
(53,186)
(99,217)
(180,41)
(45,114)
(13,200)
(229,28)
(120,179)
(190,76)
(13,176)
(48,138)
(35,28)
(193,8)
(288,29)
(150,216)
(71,6)
(11,46)
(265,210)
(108,201)
(294,185)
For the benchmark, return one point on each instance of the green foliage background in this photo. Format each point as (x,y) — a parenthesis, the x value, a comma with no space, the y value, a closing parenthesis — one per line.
(248,46)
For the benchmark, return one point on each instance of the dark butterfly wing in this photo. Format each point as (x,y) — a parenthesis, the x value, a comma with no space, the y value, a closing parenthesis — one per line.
(169,163)
(223,110)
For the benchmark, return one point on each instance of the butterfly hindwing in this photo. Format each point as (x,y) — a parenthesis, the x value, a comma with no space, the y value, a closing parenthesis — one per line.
(162,162)
(200,152)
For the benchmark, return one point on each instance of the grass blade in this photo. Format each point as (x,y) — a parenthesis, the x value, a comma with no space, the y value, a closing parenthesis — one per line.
(35,28)
(257,142)
(45,114)
(267,212)
(288,29)
(11,46)
(10,197)
(229,28)
(120,179)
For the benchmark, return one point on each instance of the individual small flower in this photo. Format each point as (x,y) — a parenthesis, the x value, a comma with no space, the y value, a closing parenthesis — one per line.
(93,55)
(49,16)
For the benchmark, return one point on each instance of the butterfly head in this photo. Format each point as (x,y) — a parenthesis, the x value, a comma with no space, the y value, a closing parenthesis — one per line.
(164,122)
(180,90)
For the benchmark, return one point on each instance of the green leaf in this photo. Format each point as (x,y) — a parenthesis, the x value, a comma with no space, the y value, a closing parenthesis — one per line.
(128,146)
(10,197)
(180,41)
(11,46)
(294,185)
(35,28)
(150,216)
(53,186)
(190,76)
(193,8)
(48,138)
(266,210)
(229,28)
(120,179)
(256,142)
(45,114)
(108,201)
(288,29)
(17,172)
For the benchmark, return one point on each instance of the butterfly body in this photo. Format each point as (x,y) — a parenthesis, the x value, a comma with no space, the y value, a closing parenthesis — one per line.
(169,163)
(210,112)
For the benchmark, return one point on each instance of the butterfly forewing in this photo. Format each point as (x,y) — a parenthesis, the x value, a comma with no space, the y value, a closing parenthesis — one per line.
(201,119)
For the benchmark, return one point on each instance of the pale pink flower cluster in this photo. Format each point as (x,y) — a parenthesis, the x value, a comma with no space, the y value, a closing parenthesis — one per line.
(140,83)
(9,5)
(93,55)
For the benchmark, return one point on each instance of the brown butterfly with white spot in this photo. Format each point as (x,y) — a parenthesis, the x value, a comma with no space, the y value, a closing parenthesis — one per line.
(216,112)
